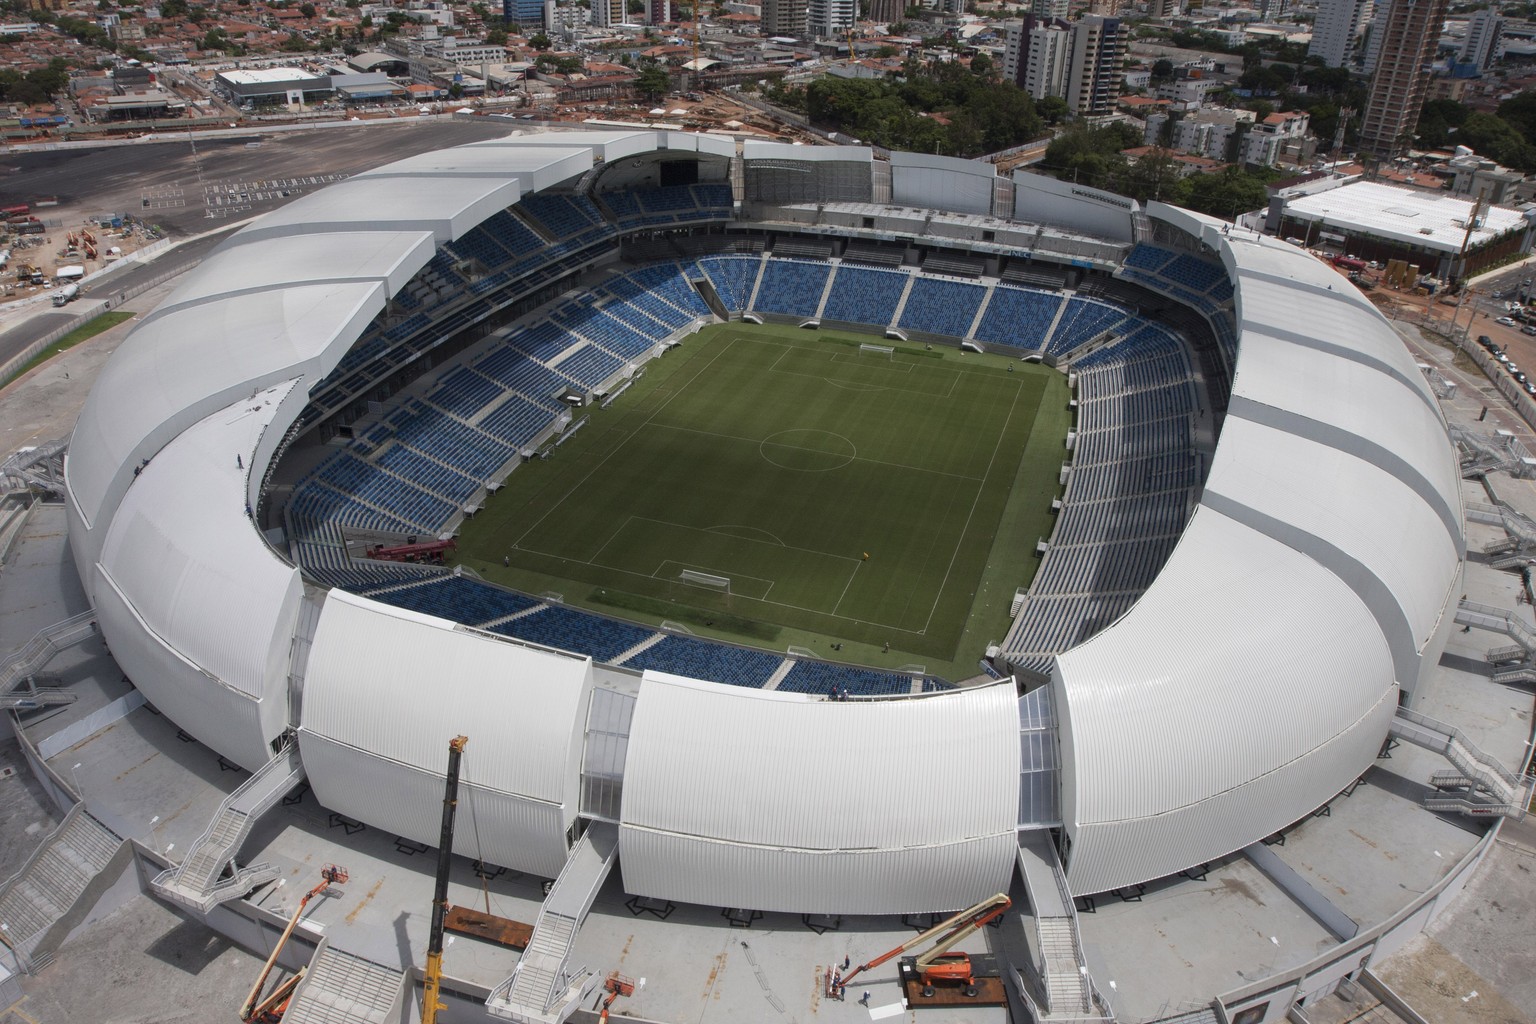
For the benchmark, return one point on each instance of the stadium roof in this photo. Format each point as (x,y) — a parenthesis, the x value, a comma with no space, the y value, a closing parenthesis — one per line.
(1251,682)
(1427,220)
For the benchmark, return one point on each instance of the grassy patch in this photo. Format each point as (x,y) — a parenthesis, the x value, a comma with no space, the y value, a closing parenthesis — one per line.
(85,332)
(845,495)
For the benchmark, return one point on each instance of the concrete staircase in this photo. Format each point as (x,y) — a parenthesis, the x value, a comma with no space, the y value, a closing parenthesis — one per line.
(340,988)
(542,990)
(53,881)
(198,882)
(1499,620)
(1479,786)
(30,658)
(1062,968)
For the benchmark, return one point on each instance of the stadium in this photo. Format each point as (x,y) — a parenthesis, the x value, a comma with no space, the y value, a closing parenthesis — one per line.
(1153,563)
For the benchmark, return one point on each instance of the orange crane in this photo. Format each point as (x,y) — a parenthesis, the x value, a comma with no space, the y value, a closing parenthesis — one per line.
(271,1008)
(938,964)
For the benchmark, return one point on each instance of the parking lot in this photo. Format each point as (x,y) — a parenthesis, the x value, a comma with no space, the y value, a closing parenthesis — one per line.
(228,198)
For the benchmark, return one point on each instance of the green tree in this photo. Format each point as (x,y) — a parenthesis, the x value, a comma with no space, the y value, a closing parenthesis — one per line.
(173,9)
(539,42)
(308,10)
(1162,70)
(653,81)
(1227,193)
(981,66)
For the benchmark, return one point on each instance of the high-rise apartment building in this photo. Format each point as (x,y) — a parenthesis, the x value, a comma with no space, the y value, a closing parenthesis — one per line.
(784,18)
(1409,33)
(1050,10)
(1334,32)
(1482,43)
(1094,65)
(1078,61)
(607,12)
(887,11)
(1164,8)
(825,19)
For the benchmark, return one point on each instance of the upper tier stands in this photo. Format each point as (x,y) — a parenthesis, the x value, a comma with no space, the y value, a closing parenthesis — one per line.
(1133,483)
(791,287)
(1019,317)
(862,296)
(937,306)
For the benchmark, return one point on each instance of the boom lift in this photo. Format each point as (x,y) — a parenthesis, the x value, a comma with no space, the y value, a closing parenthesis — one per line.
(432,982)
(615,985)
(938,964)
(271,1008)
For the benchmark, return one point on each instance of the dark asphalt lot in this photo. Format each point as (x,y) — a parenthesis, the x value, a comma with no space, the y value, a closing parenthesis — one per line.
(116,178)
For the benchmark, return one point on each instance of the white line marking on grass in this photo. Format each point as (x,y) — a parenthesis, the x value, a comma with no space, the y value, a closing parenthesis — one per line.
(581,484)
(726,529)
(872,462)
(960,539)
(844,594)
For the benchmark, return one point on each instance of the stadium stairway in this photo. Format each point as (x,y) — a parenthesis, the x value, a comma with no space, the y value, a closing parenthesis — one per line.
(779,673)
(1061,311)
(1482,454)
(981,309)
(1499,620)
(901,303)
(1060,963)
(1479,786)
(43,901)
(32,656)
(541,989)
(826,290)
(340,988)
(198,882)
(1520,528)
(643,645)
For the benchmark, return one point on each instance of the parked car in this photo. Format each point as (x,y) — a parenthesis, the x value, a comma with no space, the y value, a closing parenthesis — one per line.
(1505,321)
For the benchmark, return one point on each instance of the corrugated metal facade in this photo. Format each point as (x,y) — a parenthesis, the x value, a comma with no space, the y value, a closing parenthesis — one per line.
(386,689)
(819,797)
(199,577)
(1256,677)
(942,182)
(220,717)
(188,364)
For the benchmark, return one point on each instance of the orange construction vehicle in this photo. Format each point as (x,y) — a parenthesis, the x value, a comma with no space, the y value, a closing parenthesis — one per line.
(270,1009)
(615,985)
(938,965)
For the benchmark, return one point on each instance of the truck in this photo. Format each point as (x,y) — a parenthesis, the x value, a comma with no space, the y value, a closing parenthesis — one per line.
(64,296)
(1350,263)
(64,275)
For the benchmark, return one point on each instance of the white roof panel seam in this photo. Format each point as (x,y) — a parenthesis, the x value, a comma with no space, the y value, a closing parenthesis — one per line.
(1363,448)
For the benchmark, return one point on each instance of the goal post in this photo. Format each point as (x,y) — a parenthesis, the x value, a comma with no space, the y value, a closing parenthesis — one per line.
(704,579)
(887,351)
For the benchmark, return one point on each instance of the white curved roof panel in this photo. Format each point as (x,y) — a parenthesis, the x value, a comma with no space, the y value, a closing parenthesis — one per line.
(192,361)
(1204,679)
(533,168)
(809,785)
(384,691)
(182,545)
(1352,505)
(445,206)
(389,257)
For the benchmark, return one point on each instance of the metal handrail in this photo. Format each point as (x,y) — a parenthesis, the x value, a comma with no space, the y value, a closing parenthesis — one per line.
(36,652)
(1456,737)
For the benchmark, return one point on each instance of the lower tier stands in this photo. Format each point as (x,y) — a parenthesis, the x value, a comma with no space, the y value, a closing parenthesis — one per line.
(1133,483)
(700,659)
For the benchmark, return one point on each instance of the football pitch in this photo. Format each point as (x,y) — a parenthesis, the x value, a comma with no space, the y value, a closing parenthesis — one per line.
(778,485)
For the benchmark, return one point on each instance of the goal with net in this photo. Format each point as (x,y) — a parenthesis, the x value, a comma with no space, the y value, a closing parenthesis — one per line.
(704,579)
(881,351)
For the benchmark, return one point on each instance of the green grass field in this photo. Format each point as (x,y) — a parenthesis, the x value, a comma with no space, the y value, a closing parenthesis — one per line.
(779,458)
